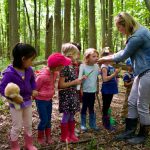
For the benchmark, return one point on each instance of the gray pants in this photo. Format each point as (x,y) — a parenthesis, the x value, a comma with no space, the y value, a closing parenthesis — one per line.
(139,99)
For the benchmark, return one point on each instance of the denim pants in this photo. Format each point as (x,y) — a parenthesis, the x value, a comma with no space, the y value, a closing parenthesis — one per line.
(139,99)
(88,101)
(45,111)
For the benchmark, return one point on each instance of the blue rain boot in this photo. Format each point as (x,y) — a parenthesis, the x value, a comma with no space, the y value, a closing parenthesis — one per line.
(92,122)
(83,122)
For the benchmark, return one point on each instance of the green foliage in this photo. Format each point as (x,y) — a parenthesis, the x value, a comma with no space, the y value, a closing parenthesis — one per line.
(4,62)
(93,145)
(140,13)
(1,102)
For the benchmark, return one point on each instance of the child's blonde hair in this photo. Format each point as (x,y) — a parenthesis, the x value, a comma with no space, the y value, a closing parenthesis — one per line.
(89,52)
(69,49)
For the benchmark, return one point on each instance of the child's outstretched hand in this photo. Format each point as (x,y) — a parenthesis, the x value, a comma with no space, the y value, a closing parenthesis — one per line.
(117,71)
(34,93)
(84,77)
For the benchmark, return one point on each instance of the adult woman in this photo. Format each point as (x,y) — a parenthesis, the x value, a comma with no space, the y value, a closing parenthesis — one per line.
(138,49)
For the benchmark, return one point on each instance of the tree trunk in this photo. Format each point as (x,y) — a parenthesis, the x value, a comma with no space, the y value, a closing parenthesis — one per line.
(57,25)
(110,20)
(147,3)
(24,26)
(77,27)
(35,24)
(49,37)
(85,25)
(39,22)
(67,20)
(91,25)
(103,22)
(29,24)
(74,20)
(13,25)
(49,32)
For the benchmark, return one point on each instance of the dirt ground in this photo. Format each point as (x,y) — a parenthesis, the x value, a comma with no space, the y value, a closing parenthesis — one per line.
(102,140)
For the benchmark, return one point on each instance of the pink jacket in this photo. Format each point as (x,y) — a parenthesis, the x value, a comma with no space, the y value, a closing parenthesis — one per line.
(45,82)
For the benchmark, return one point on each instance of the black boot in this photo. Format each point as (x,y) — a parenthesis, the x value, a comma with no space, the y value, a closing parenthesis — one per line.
(141,137)
(131,125)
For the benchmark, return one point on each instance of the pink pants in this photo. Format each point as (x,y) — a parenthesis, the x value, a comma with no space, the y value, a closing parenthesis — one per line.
(21,118)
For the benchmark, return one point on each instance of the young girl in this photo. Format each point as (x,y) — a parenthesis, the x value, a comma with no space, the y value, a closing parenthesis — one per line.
(46,89)
(89,87)
(21,74)
(109,88)
(69,102)
(128,79)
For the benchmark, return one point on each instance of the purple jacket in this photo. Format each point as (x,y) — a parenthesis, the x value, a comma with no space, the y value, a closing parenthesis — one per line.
(27,85)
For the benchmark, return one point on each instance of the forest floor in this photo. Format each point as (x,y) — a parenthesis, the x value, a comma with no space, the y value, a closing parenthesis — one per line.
(102,140)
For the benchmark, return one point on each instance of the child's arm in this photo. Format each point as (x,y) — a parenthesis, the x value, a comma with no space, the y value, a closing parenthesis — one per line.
(62,84)
(107,78)
(80,76)
(127,84)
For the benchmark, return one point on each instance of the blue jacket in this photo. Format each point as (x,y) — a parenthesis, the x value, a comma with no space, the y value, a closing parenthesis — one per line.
(138,49)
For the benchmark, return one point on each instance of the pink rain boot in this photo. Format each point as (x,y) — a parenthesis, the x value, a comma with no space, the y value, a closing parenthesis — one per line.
(72,133)
(14,145)
(29,143)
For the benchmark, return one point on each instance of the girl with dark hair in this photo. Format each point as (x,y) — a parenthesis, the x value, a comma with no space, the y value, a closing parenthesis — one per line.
(21,74)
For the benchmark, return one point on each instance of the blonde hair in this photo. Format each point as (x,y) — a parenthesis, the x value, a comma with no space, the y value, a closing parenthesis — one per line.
(69,49)
(89,52)
(127,21)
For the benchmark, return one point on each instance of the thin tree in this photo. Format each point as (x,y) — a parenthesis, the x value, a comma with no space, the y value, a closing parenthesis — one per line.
(39,23)
(77,37)
(57,25)
(49,32)
(85,25)
(103,22)
(110,20)
(13,25)
(67,20)
(147,3)
(35,24)
(29,24)
(91,24)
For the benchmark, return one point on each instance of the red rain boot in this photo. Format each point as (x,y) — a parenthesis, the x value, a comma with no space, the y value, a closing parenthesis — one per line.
(48,136)
(65,132)
(41,139)
(29,143)
(72,133)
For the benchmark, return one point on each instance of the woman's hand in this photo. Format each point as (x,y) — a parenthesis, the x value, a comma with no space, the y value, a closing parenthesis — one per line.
(105,59)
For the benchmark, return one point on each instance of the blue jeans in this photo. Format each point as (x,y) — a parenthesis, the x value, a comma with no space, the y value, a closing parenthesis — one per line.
(88,101)
(44,109)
